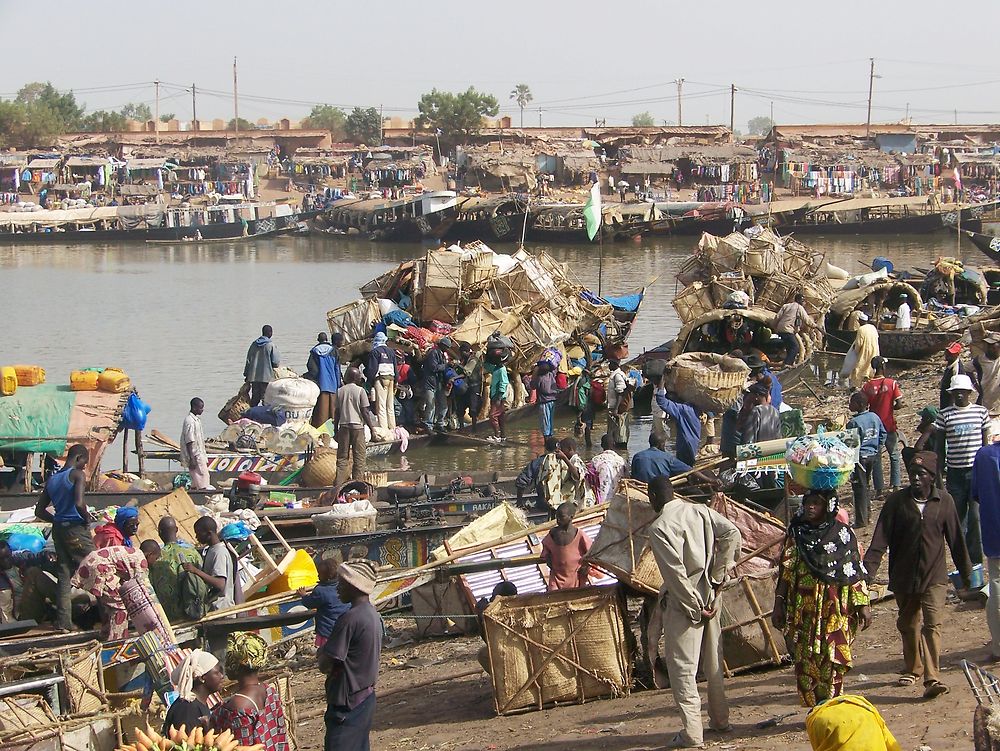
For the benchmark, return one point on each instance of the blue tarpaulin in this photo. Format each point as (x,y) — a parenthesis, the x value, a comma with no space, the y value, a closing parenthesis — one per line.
(628,303)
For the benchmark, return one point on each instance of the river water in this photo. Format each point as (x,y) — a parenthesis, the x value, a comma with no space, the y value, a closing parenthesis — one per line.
(178,319)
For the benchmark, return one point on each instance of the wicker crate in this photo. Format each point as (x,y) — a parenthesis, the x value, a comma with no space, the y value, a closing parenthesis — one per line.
(567,646)
(693,301)
(354,320)
(801,261)
(706,380)
(724,285)
(763,257)
(776,291)
(622,545)
(818,297)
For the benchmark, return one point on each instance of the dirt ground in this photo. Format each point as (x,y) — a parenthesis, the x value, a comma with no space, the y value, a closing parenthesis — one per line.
(459,714)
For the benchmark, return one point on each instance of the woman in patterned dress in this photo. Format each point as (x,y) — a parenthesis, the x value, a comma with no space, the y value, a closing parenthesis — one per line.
(254,713)
(821,597)
(102,574)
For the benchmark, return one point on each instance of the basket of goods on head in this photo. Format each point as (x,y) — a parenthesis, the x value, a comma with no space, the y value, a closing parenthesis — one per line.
(565,646)
(706,380)
(346,518)
(821,462)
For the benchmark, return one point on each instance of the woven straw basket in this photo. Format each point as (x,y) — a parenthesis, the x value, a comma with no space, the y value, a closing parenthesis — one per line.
(708,381)
(320,471)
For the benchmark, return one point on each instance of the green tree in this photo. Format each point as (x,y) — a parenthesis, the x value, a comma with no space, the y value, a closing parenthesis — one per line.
(760,125)
(139,112)
(167,118)
(643,120)
(456,116)
(11,121)
(63,107)
(522,95)
(244,125)
(364,125)
(103,121)
(326,117)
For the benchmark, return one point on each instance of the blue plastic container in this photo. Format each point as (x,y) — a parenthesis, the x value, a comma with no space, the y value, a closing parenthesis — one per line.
(978,580)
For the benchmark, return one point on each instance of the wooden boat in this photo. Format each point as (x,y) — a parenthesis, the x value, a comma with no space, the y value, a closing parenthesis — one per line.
(714,218)
(498,219)
(565,223)
(705,334)
(192,240)
(148,223)
(881,299)
(428,215)
(906,345)
(988,244)
(861,216)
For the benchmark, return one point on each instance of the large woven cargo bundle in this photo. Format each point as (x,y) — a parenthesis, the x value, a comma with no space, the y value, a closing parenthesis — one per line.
(354,320)
(706,380)
(748,639)
(776,290)
(693,302)
(799,260)
(567,646)
(726,284)
(441,286)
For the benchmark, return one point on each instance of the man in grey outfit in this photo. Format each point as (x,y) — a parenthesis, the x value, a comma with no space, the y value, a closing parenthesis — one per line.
(262,358)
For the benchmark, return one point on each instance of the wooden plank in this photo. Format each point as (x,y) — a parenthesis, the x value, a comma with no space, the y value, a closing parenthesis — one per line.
(177,504)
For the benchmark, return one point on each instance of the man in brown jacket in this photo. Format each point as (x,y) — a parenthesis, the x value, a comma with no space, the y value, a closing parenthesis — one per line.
(914,525)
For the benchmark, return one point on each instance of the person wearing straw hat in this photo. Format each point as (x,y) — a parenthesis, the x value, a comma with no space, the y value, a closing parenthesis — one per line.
(350,660)
(695,548)
(915,525)
(965,427)
(986,492)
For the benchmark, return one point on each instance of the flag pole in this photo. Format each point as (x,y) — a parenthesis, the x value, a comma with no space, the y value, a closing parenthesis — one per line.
(600,258)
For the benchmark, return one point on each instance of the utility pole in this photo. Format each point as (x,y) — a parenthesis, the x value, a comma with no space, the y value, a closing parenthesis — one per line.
(194,108)
(871,85)
(539,117)
(381,126)
(236,100)
(772,114)
(680,114)
(907,113)
(156,111)
(732,111)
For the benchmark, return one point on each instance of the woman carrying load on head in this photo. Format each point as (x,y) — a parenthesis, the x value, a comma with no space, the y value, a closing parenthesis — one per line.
(254,713)
(821,597)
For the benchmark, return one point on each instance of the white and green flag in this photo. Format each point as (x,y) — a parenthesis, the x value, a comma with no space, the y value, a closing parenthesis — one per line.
(592,211)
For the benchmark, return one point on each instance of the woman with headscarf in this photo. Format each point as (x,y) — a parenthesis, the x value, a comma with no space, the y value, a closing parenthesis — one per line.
(120,531)
(195,679)
(102,574)
(857,366)
(821,597)
(254,713)
(849,723)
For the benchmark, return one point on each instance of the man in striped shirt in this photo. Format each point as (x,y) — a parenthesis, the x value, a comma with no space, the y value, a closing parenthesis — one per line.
(966,430)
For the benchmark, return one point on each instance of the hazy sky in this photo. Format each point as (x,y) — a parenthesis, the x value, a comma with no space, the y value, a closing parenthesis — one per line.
(583,60)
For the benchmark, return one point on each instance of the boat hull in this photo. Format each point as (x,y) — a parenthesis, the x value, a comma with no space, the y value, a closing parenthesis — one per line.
(897,344)
(229,231)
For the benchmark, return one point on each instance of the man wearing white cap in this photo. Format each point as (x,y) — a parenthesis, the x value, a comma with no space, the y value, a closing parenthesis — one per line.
(986,492)
(966,429)
(350,660)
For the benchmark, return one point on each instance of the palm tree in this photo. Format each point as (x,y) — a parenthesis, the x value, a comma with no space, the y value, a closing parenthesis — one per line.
(522,95)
